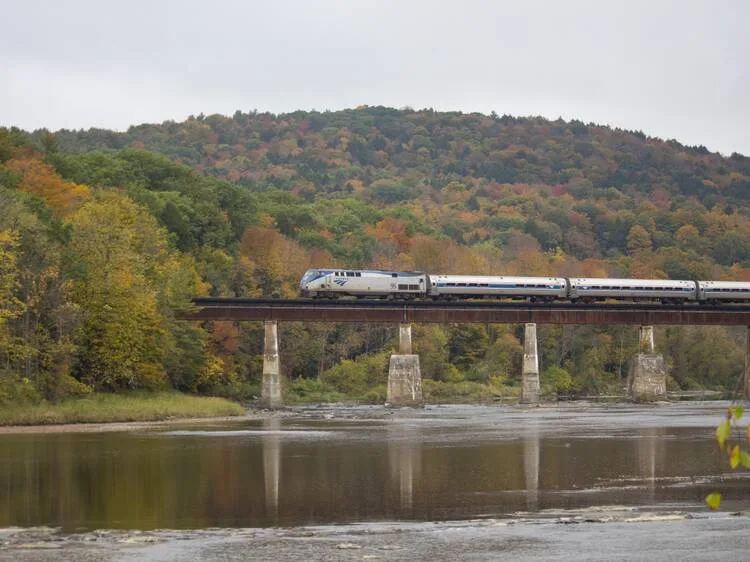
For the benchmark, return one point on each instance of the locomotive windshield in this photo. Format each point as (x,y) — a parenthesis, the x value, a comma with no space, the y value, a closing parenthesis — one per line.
(313,274)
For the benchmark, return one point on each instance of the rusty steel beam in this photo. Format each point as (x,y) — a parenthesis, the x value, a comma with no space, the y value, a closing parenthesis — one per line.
(466,312)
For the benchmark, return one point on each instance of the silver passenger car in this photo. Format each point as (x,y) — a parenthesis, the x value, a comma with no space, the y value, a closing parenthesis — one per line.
(723,291)
(665,290)
(333,283)
(477,286)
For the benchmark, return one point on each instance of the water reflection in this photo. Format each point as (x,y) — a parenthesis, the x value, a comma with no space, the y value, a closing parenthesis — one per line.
(650,456)
(531,464)
(271,466)
(405,461)
(287,472)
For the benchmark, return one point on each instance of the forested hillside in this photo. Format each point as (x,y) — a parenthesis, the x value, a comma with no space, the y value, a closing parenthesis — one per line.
(105,235)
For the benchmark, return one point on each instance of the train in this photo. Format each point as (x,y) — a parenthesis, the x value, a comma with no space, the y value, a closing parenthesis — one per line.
(416,285)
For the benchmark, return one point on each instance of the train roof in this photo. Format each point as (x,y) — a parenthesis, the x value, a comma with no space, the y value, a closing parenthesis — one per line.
(631,282)
(503,277)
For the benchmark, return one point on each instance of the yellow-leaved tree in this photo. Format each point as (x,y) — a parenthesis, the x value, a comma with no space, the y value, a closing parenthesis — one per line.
(10,306)
(129,283)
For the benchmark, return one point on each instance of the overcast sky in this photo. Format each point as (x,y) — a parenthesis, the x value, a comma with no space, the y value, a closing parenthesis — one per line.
(673,69)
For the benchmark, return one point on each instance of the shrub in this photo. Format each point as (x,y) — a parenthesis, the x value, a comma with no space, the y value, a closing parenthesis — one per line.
(377,395)
(439,391)
(311,391)
(556,380)
(18,391)
(355,378)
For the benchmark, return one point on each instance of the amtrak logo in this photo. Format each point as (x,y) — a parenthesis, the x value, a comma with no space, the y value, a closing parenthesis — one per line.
(340,282)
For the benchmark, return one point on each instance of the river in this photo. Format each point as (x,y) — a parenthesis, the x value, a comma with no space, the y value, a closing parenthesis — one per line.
(331,482)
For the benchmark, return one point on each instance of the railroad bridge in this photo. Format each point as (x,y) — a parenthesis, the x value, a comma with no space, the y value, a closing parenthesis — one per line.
(646,380)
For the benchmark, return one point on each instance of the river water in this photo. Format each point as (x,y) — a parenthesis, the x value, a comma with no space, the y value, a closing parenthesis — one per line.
(469,467)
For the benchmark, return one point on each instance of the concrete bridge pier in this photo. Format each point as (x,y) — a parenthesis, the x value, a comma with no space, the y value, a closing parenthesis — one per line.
(530,372)
(646,339)
(647,377)
(404,376)
(270,391)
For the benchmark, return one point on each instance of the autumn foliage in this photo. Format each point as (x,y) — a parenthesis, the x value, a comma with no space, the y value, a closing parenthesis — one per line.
(105,236)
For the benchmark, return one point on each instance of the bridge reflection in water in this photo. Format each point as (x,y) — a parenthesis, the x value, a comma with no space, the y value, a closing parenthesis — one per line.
(405,461)
(439,464)
(531,464)
(650,455)
(272,466)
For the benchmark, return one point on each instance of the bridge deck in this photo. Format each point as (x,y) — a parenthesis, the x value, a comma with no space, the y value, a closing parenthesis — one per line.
(484,312)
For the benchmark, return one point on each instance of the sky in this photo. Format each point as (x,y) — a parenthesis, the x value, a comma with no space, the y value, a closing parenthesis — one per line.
(672,69)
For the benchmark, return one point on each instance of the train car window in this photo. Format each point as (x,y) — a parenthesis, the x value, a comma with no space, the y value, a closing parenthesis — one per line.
(359,274)
(450,284)
(460,284)
(414,287)
(483,285)
(394,274)
(471,284)
(350,274)
(403,287)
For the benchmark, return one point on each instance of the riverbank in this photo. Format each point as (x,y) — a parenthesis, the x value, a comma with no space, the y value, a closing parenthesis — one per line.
(114,408)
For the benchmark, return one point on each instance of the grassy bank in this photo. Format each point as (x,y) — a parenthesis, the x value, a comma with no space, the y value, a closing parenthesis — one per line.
(103,408)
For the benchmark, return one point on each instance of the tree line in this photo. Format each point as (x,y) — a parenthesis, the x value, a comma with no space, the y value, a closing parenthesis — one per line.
(104,237)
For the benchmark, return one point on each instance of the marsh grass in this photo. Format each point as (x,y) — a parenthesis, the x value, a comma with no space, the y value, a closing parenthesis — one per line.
(103,408)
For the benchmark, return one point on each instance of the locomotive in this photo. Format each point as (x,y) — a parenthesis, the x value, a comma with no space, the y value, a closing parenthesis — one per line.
(409,285)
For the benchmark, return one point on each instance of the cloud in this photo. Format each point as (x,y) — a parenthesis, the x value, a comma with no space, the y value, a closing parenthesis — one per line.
(671,69)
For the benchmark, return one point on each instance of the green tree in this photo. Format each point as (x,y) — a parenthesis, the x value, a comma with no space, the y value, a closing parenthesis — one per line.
(467,344)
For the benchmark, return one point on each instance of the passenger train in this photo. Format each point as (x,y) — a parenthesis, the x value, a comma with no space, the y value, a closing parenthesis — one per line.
(364,283)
